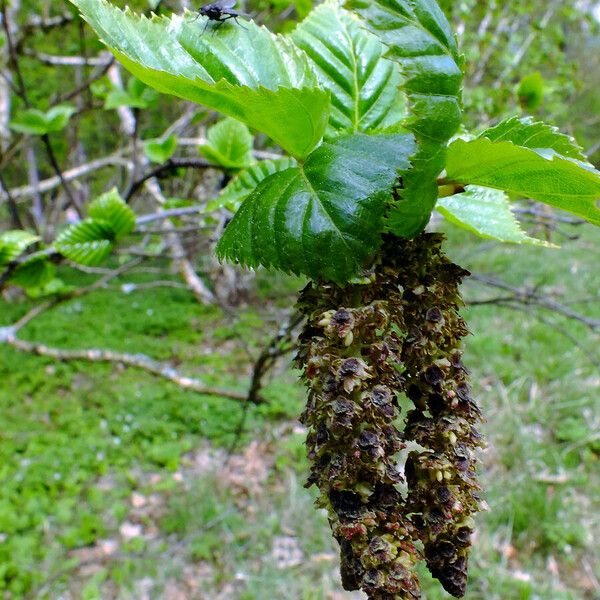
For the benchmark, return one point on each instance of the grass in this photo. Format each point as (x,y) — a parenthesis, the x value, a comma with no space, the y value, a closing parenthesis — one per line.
(95,457)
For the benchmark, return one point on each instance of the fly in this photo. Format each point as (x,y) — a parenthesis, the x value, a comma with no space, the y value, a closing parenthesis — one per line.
(220,11)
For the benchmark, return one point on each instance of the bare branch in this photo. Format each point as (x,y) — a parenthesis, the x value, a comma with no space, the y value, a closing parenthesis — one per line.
(167,167)
(138,361)
(69,61)
(528,296)
(51,183)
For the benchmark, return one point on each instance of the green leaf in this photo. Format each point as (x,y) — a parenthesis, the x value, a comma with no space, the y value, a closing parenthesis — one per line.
(303,7)
(419,37)
(13,243)
(86,243)
(58,117)
(531,91)
(30,121)
(246,73)
(160,151)
(33,273)
(349,63)
(91,241)
(246,181)
(557,181)
(486,213)
(535,135)
(229,144)
(137,95)
(323,218)
(37,122)
(113,214)
(116,98)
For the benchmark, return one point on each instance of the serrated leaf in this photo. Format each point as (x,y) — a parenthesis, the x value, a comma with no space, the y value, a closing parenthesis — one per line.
(246,181)
(559,182)
(486,213)
(246,73)
(229,144)
(87,243)
(159,151)
(535,135)
(349,63)
(33,273)
(323,218)
(113,214)
(13,243)
(419,37)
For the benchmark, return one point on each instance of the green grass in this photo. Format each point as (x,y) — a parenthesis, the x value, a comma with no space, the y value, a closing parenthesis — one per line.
(77,440)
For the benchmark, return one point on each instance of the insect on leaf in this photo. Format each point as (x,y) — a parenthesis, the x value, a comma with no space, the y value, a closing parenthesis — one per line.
(246,73)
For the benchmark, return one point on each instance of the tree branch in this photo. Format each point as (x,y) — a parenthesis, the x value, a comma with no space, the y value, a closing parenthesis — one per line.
(138,361)
(167,167)
(528,296)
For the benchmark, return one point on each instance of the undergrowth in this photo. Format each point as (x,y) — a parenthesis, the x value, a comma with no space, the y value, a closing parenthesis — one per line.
(77,440)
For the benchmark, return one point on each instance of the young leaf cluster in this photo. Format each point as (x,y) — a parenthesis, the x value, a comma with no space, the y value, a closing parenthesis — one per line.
(88,242)
(92,240)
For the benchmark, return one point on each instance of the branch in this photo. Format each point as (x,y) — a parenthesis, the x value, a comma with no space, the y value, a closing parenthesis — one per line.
(69,61)
(167,167)
(138,361)
(280,344)
(167,214)
(517,56)
(527,296)
(49,184)
(8,335)
(12,205)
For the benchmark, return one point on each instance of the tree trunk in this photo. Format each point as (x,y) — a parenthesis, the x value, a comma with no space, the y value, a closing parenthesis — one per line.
(364,347)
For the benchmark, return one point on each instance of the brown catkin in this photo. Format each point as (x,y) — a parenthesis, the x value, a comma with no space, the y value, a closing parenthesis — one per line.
(362,347)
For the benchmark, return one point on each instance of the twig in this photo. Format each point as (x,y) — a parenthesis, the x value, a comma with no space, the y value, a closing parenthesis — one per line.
(531,297)
(168,166)
(68,61)
(86,84)
(517,56)
(8,335)
(167,214)
(22,92)
(565,333)
(12,205)
(279,345)
(49,184)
